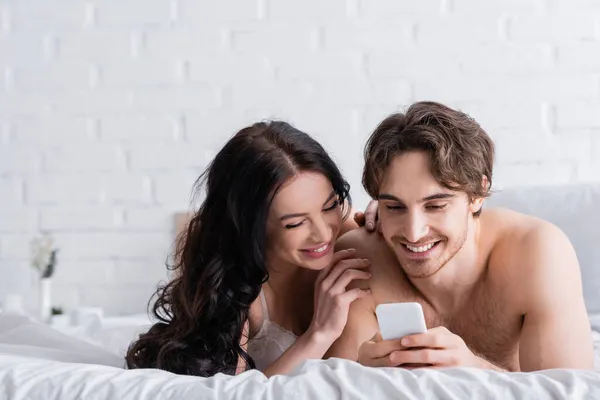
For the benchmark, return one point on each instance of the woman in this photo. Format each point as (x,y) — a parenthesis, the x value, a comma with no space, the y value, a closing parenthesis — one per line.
(258,283)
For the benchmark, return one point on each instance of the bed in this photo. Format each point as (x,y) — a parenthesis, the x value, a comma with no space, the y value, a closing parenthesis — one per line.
(38,362)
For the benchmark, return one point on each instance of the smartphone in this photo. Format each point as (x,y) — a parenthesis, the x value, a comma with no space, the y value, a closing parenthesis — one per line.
(397,320)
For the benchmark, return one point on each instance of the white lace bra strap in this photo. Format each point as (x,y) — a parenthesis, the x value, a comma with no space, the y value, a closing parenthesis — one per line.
(263,302)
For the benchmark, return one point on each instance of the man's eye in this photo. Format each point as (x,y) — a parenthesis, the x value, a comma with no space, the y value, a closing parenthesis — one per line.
(437,206)
(394,208)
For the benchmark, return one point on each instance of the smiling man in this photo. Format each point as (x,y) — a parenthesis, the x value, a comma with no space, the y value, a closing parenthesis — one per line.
(499,289)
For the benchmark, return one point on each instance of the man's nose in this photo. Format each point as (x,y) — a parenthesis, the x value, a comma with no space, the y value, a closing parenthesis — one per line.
(416,227)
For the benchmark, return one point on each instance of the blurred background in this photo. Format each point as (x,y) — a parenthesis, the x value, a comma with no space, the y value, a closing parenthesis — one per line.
(109,110)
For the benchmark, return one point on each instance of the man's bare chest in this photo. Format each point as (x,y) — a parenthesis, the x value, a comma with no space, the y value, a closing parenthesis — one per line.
(489,330)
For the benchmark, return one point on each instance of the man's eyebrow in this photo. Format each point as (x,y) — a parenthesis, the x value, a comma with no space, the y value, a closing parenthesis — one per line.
(386,196)
(289,216)
(436,196)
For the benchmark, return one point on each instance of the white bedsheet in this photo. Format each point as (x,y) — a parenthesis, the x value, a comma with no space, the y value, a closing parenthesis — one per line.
(24,378)
(39,363)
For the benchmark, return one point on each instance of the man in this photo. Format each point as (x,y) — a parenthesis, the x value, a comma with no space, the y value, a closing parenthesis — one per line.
(499,289)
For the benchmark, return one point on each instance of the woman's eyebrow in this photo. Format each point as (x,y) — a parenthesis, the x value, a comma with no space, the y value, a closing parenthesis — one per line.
(295,215)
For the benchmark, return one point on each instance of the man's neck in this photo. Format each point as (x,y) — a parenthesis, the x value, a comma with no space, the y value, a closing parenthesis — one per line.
(449,288)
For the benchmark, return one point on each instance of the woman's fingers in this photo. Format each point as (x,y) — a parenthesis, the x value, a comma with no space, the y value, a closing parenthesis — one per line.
(345,278)
(359,218)
(370,215)
(339,268)
(337,257)
(349,296)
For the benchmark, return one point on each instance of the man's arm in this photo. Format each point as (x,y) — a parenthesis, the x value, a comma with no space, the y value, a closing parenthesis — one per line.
(556,331)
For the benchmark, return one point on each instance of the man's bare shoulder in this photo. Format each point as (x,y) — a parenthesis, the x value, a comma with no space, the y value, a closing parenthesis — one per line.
(507,222)
(528,251)
(365,243)
(513,233)
(388,283)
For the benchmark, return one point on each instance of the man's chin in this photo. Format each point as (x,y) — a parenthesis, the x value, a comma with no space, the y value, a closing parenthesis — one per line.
(420,274)
(420,269)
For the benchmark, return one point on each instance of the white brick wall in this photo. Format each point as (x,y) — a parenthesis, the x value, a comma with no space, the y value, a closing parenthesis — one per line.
(109,110)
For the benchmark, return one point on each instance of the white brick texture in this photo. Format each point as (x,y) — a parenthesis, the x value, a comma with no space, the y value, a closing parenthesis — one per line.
(79,218)
(217,12)
(51,15)
(110,110)
(132,13)
(557,28)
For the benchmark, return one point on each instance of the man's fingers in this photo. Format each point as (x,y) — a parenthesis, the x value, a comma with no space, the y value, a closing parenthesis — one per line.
(367,355)
(434,338)
(422,356)
(383,348)
(371,215)
(382,362)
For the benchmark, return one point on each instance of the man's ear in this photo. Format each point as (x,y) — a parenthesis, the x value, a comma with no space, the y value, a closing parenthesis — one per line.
(477,202)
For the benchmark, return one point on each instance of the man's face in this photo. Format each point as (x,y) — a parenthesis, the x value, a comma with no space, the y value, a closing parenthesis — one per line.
(424,223)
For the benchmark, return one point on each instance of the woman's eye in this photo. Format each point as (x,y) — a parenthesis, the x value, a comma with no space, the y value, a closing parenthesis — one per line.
(292,226)
(333,206)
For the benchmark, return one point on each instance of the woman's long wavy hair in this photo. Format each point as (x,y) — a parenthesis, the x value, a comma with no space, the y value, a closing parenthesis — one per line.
(220,258)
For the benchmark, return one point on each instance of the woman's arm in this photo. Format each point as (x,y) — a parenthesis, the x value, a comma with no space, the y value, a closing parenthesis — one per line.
(308,346)
(332,302)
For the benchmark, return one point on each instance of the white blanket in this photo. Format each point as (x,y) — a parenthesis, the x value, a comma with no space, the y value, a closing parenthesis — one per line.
(36,379)
(39,363)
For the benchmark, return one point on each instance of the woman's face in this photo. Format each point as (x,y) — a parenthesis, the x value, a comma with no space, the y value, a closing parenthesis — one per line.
(303,222)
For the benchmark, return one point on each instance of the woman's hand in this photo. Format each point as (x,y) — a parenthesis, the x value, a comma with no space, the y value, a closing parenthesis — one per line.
(368,219)
(332,300)
(332,303)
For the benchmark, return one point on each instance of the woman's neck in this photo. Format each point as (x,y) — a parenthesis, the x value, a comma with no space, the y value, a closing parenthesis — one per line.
(286,280)
(290,297)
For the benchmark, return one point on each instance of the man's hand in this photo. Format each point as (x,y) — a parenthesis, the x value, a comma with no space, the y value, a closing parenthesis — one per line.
(368,219)
(377,352)
(437,348)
